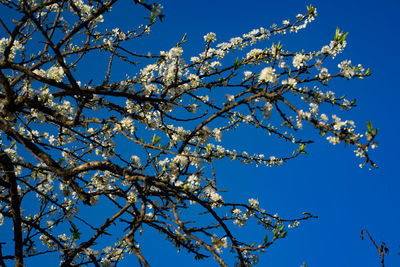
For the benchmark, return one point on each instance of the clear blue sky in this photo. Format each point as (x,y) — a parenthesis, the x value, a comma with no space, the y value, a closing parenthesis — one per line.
(327,182)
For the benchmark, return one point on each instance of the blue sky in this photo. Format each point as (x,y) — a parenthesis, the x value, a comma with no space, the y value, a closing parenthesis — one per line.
(327,182)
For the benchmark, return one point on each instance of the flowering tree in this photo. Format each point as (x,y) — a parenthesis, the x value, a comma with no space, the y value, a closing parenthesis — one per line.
(64,141)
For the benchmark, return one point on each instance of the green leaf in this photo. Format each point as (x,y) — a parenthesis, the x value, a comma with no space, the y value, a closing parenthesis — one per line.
(283,235)
(336,34)
(311,8)
(13,144)
(153,139)
(75,232)
(184,40)
(237,64)
(369,126)
(35,175)
(265,239)
(340,36)
(275,231)
(301,149)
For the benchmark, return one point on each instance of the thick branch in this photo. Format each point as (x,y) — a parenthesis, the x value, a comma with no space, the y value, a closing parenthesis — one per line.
(8,169)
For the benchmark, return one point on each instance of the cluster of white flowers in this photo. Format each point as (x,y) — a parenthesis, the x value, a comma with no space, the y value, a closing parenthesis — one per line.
(290,82)
(108,42)
(179,134)
(85,11)
(16,46)
(132,195)
(324,75)
(253,203)
(299,60)
(334,48)
(294,224)
(305,19)
(333,140)
(339,124)
(126,124)
(194,81)
(46,241)
(170,68)
(256,56)
(219,243)
(193,183)
(114,253)
(54,73)
(217,134)
(118,33)
(147,73)
(210,37)
(252,258)
(213,196)
(346,68)
(136,160)
(242,217)
(267,75)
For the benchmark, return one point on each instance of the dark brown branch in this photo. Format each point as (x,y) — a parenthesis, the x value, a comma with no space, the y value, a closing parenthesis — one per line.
(8,171)
(382,249)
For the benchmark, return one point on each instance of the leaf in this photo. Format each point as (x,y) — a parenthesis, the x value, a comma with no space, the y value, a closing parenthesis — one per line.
(75,232)
(340,36)
(265,239)
(369,126)
(237,63)
(301,149)
(336,34)
(13,144)
(153,139)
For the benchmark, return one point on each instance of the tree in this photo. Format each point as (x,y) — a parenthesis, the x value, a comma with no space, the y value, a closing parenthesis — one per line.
(146,145)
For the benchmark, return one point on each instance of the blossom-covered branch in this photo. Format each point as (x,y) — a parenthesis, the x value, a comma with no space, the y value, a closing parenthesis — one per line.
(145,146)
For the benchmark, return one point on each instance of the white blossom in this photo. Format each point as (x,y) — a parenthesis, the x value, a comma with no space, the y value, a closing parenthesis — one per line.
(16,46)
(210,37)
(267,75)
(299,60)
